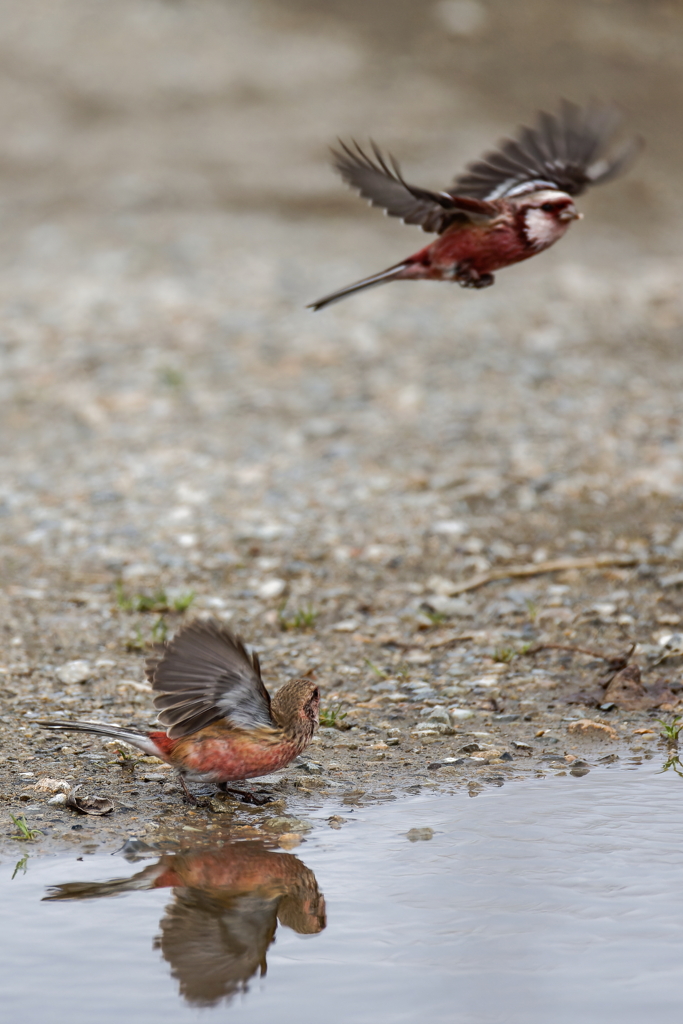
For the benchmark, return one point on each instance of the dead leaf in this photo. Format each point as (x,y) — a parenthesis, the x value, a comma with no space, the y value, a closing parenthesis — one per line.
(627,692)
(96,805)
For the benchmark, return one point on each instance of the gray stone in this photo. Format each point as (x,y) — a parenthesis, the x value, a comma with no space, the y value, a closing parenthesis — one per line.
(439,714)
(285,824)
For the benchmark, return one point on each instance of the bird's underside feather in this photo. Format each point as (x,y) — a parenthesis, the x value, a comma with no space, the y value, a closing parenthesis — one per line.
(205,674)
(380,181)
(565,151)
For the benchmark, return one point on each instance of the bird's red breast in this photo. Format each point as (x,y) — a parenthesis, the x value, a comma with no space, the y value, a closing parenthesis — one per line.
(220,753)
(243,867)
(484,247)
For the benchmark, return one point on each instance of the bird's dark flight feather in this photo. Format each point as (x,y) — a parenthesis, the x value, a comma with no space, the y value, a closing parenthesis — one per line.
(565,151)
(382,183)
(203,674)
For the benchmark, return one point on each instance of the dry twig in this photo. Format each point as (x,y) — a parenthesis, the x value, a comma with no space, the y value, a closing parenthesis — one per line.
(539,568)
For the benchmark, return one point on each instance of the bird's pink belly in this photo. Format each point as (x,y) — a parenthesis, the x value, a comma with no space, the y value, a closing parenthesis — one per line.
(217,761)
(481,250)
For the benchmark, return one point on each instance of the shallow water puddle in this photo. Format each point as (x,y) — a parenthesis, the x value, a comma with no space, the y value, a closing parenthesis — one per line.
(556,900)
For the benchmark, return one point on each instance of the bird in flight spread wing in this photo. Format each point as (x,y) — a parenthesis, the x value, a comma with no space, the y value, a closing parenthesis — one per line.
(514,202)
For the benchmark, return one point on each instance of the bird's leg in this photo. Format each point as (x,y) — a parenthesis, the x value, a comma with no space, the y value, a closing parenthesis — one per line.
(190,797)
(468,277)
(247,798)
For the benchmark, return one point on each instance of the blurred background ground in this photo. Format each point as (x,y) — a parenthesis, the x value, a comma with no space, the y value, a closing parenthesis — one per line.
(172,415)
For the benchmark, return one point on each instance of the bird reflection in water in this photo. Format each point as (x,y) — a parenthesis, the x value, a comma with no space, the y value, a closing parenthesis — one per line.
(223,916)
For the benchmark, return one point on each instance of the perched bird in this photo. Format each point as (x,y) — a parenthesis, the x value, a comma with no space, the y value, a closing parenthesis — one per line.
(513,203)
(224,913)
(221,724)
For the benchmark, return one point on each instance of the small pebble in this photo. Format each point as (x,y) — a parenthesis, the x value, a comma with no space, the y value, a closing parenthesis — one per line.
(469,748)
(461,713)
(417,835)
(289,840)
(271,588)
(74,672)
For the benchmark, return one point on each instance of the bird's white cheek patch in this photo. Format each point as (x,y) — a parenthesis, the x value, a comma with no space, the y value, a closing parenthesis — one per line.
(542,229)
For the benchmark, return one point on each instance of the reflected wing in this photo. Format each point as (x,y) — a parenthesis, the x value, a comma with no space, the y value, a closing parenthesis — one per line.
(205,673)
(215,944)
(566,151)
(382,183)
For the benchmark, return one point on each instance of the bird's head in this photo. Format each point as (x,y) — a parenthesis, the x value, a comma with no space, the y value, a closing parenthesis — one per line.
(545,216)
(296,707)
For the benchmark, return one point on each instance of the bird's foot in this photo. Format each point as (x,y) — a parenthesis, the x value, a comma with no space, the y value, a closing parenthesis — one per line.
(468,277)
(190,798)
(247,798)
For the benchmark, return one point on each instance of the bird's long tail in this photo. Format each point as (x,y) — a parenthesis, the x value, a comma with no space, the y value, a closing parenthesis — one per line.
(143,880)
(368,282)
(136,739)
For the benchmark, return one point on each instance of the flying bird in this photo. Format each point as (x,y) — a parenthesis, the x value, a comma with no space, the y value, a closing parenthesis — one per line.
(510,205)
(221,724)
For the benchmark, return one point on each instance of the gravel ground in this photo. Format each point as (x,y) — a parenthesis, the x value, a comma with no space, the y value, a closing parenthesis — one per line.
(174,421)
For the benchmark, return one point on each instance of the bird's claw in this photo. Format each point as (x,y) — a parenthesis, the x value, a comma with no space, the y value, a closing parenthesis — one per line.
(467,277)
(247,798)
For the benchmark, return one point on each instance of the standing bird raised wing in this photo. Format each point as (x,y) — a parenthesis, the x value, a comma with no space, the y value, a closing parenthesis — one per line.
(565,151)
(204,674)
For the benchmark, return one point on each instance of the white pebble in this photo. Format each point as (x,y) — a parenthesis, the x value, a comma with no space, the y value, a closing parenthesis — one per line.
(271,588)
(74,672)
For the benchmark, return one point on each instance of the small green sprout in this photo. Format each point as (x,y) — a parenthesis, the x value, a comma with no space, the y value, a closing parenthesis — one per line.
(376,669)
(126,758)
(21,865)
(171,377)
(332,717)
(672,729)
(504,654)
(123,602)
(158,635)
(303,618)
(674,764)
(24,833)
(436,618)
(158,602)
(532,610)
(183,601)
(159,631)
(137,642)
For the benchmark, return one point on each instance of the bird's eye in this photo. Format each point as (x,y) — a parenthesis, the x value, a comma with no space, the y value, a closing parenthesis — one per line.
(548,208)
